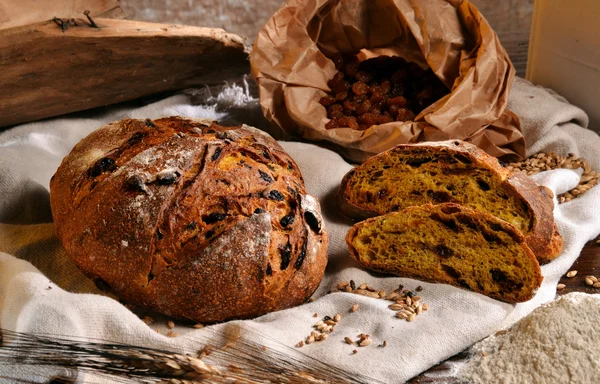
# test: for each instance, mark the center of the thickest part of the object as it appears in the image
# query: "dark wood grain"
(588, 263)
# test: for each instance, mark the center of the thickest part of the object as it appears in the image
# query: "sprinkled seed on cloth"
(547, 161)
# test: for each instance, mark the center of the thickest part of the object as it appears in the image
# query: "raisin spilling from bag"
(378, 91)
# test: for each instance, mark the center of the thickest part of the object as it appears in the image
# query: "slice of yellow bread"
(451, 244)
(456, 172)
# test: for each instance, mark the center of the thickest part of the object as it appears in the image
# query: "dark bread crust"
(543, 237)
(189, 218)
(477, 220)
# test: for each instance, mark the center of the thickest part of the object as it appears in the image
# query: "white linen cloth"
(42, 291)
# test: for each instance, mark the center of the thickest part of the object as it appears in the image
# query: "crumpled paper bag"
(291, 64)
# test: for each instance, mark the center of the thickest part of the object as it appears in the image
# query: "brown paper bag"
(290, 61)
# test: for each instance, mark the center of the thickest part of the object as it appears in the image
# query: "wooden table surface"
(587, 264)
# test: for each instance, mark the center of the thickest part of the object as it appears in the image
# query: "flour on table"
(556, 343)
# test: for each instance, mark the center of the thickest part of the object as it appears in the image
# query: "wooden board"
(511, 19)
(588, 263)
(242, 17)
(14, 13)
(46, 71)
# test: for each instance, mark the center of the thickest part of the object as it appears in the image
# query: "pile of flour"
(556, 343)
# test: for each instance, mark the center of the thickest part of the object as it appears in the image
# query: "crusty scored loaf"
(457, 172)
(189, 218)
(452, 244)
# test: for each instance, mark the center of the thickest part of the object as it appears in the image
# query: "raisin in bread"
(457, 172)
(452, 244)
(192, 219)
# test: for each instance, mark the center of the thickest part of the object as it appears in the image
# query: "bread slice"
(451, 244)
(456, 172)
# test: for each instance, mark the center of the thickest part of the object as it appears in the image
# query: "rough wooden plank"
(14, 13)
(45, 71)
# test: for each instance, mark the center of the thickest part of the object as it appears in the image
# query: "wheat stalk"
(240, 361)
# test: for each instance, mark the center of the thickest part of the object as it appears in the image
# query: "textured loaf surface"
(457, 172)
(451, 244)
(189, 218)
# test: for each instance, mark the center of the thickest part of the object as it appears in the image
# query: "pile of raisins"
(379, 91)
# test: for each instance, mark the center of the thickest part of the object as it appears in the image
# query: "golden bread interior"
(450, 244)
(408, 177)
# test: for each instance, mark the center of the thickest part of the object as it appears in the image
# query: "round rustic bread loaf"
(192, 219)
